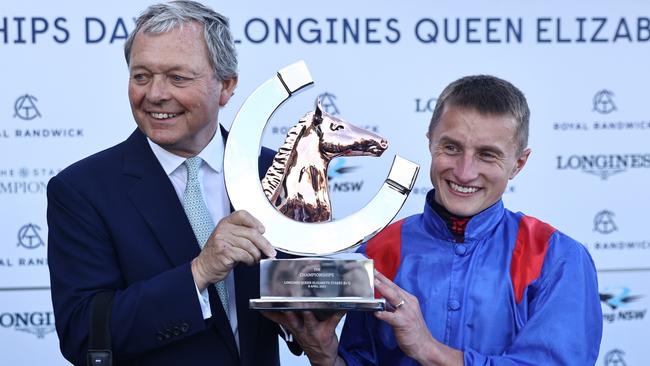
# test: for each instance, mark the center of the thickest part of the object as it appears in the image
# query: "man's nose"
(466, 169)
(158, 90)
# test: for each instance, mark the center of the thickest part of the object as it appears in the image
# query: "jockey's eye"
(335, 127)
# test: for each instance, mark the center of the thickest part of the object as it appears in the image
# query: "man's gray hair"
(487, 95)
(162, 18)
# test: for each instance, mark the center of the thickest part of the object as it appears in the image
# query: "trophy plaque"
(292, 201)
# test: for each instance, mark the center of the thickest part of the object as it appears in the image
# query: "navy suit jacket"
(116, 223)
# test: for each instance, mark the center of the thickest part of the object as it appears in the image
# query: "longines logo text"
(620, 304)
(38, 323)
(423, 105)
(603, 165)
(25, 180)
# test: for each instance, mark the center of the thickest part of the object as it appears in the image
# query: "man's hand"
(411, 332)
(236, 238)
(315, 332)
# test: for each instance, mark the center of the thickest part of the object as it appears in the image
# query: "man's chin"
(462, 209)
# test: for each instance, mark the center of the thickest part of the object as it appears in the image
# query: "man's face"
(473, 157)
(174, 94)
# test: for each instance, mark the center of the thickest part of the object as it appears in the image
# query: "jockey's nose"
(383, 143)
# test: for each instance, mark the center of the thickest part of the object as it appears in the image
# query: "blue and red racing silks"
(514, 292)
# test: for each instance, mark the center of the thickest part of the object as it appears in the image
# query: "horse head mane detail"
(297, 183)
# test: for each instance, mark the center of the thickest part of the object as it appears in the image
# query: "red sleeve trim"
(528, 255)
(385, 249)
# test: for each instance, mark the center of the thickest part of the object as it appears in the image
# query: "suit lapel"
(154, 196)
(156, 200)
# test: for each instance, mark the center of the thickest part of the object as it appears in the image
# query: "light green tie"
(197, 213)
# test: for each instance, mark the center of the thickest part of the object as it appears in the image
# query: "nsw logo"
(618, 297)
(337, 169)
(622, 305)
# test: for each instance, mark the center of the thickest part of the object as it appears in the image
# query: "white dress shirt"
(214, 193)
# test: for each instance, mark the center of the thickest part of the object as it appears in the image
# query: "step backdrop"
(583, 66)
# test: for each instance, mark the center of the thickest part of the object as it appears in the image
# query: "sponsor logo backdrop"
(581, 64)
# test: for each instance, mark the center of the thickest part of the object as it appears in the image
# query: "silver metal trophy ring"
(245, 191)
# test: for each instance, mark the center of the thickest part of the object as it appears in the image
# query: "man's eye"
(451, 149)
(487, 156)
(140, 77)
(179, 79)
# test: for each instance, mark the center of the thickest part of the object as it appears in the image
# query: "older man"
(134, 225)
(468, 281)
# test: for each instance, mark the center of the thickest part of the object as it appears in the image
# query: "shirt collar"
(478, 227)
(212, 154)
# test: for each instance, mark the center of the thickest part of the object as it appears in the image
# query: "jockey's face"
(472, 158)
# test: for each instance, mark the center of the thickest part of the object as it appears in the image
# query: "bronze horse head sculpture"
(296, 183)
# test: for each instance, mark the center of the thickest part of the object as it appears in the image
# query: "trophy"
(293, 203)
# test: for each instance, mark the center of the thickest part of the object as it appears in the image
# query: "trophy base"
(322, 303)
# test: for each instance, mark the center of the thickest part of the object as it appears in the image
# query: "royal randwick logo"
(604, 117)
(603, 102)
(25, 107)
(328, 103)
(604, 222)
(614, 358)
(29, 236)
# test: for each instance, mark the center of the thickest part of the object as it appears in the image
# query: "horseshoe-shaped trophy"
(321, 278)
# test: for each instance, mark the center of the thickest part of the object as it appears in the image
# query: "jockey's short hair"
(487, 95)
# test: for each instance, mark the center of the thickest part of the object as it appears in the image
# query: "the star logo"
(328, 103)
(604, 222)
(615, 358)
(604, 102)
(618, 297)
(29, 237)
(25, 107)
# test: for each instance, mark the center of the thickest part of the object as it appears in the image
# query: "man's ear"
(227, 89)
(520, 163)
